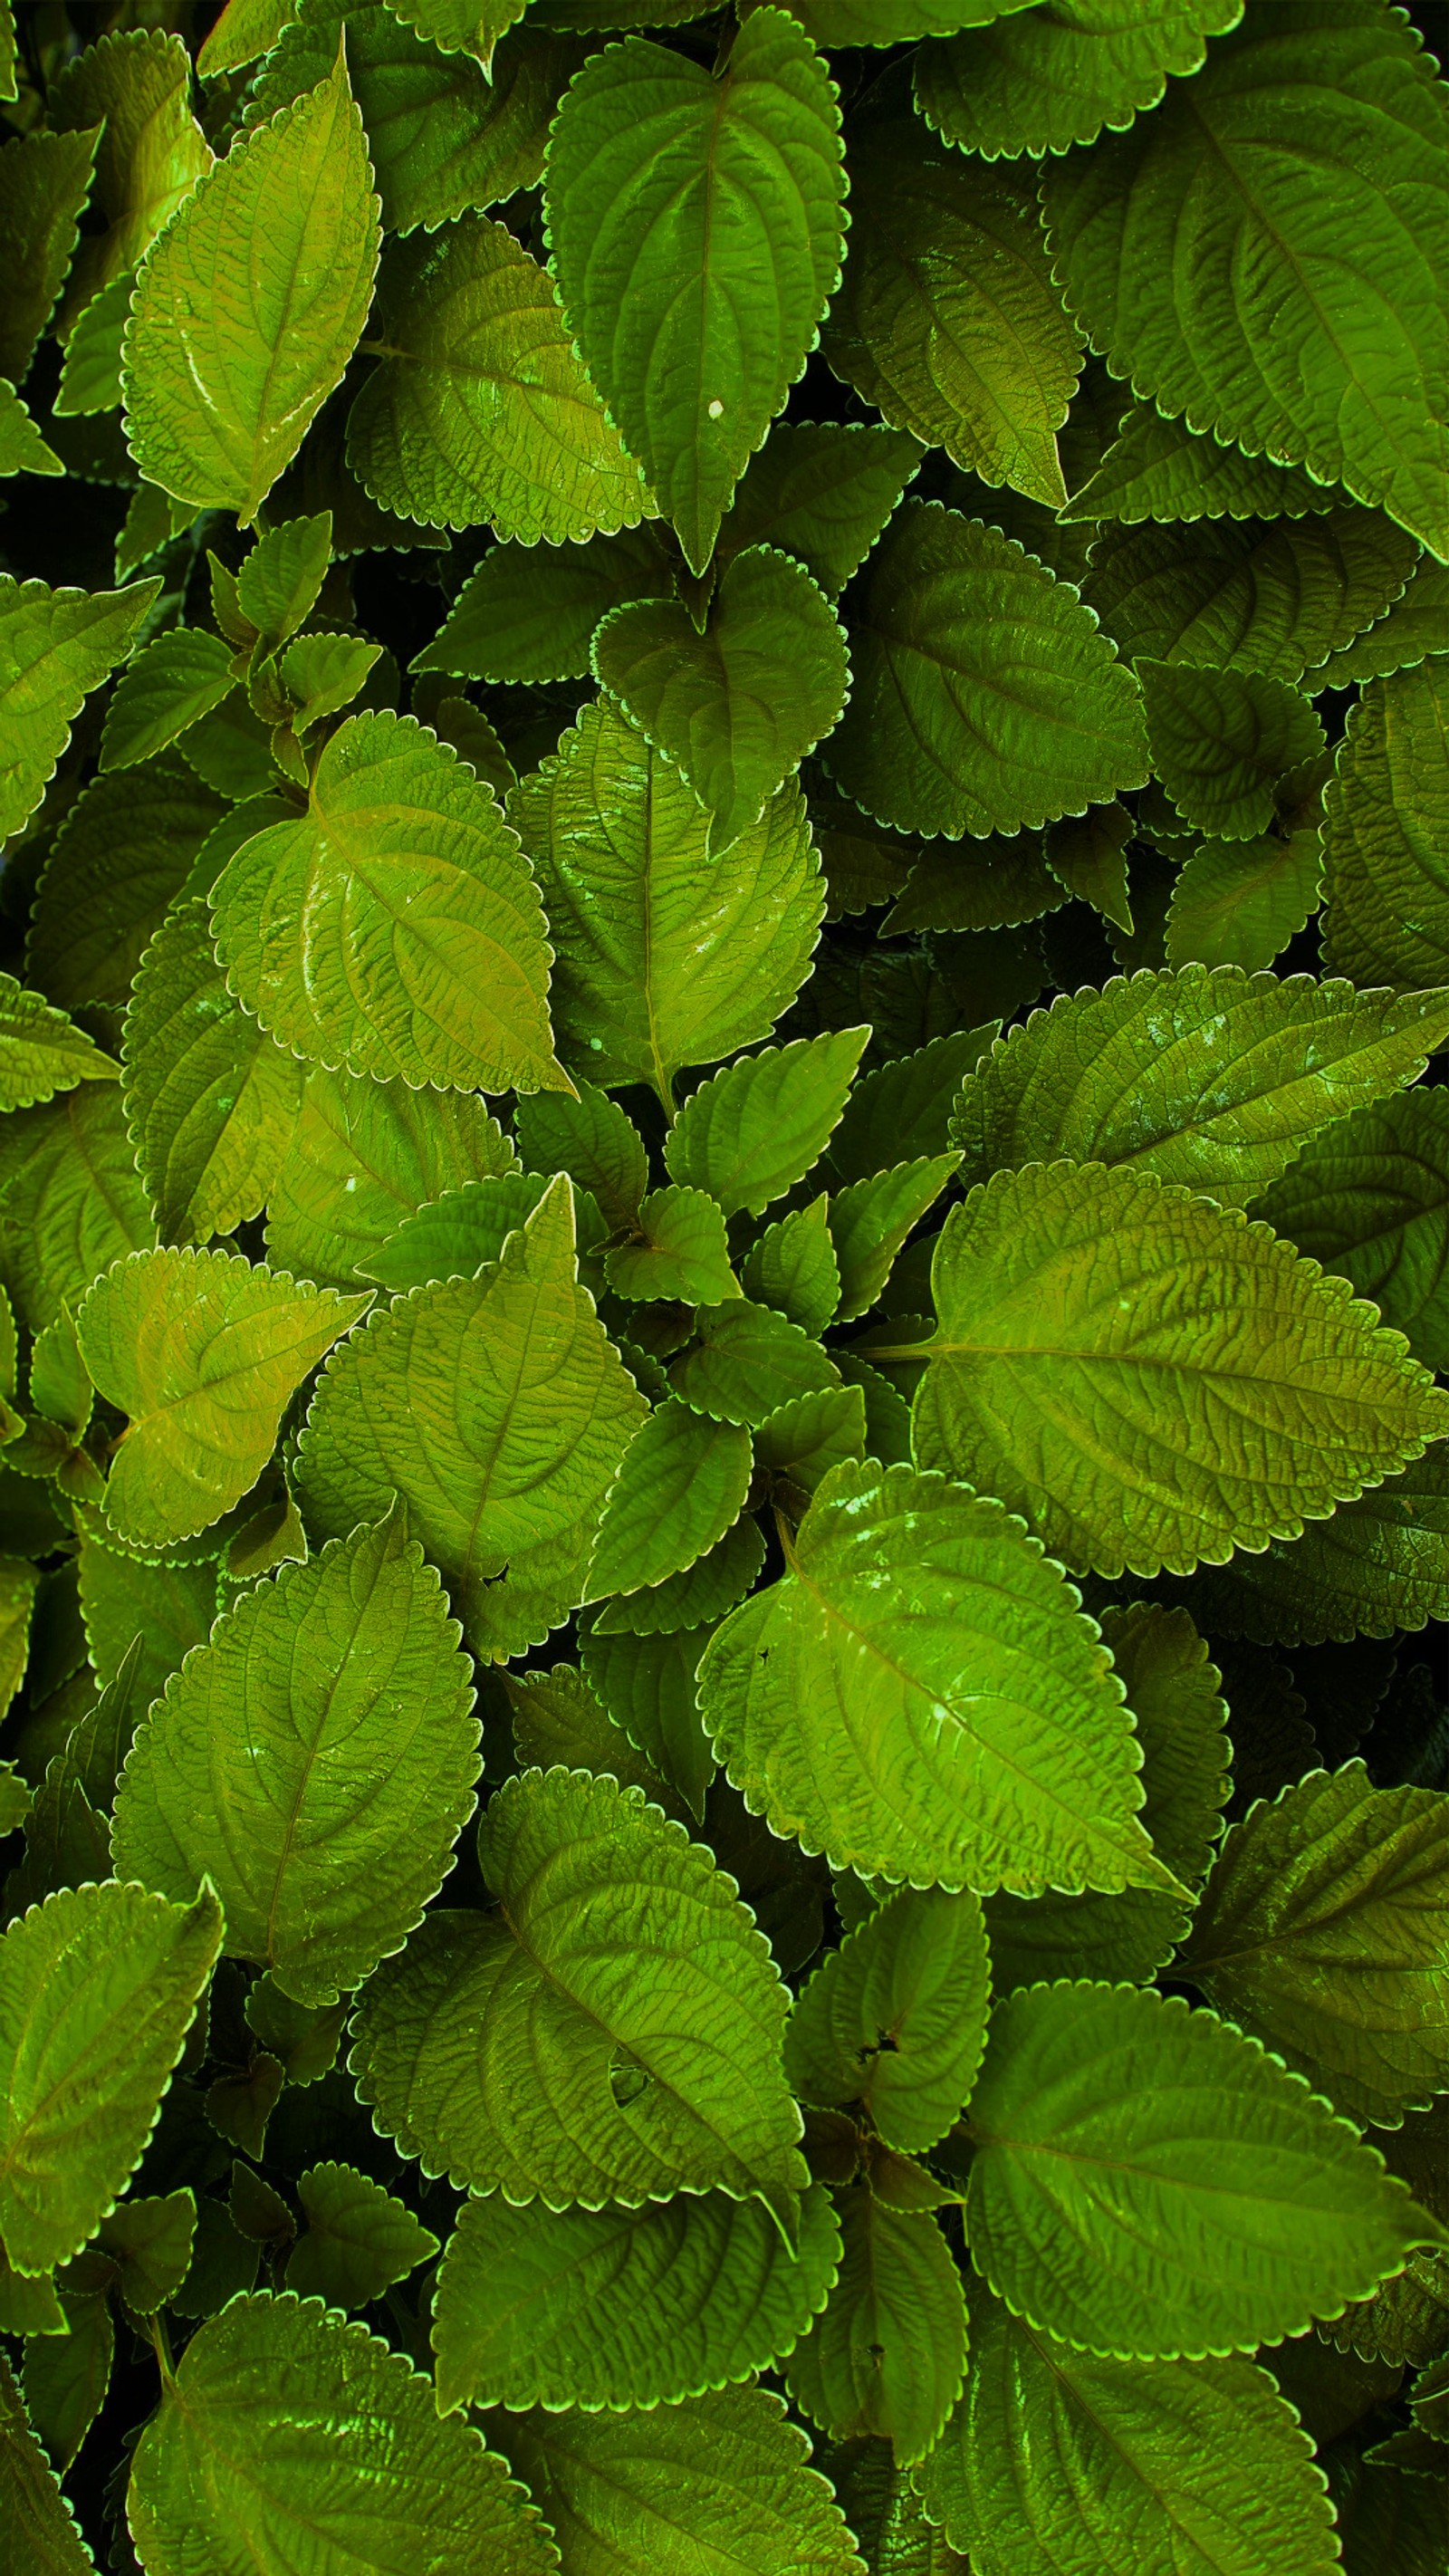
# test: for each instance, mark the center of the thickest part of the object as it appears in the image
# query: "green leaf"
(64, 2378)
(98, 1987)
(90, 379)
(173, 682)
(519, 618)
(1163, 469)
(1221, 741)
(556, 1720)
(1056, 2458)
(661, 961)
(202, 1351)
(287, 2430)
(737, 707)
(1035, 83)
(896, 2018)
(749, 1134)
(1322, 1931)
(164, 1610)
(442, 136)
(887, 2352)
(1248, 595)
(592, 1139)
(996, 886)
(1216, 1079)
(1386, 817)
(41, 1051)
(463, 26)
(284, 230)
(694, 308)
(747, 1362)
(870, 1220)
(1204, 245)
(799, 1444)
(700, 1595)
(359, 2239)
(231, 750)
(1375, 1565)
(34, 2508)
(602, 2083)
(136, 85)
(921, 1696)
(45, 180)
(984, 697)
(1413, 628)
(454, 1236)
(119, 860)
(498, 1409)
(1116, 2135)
(680, 1250)
(623, 2307)
(792, 1267)
(905, 1108)
(683, 2487)
(322, 674)
(71, 1201)
(150, 2243)
(22, 449)
(365, 933)
(647, 1686)
(1370, 1198)
(1238, 903)
(822, 493)
(363, 1157)
(479, 408)
(947, 319)
(278, 584)
(681, 1484)
(315, 1761)
(1149, 1380)
(55, 647)
(211, 1101)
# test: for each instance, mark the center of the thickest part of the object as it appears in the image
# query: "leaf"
(619, 2307)
(870, 1220)
(211, 1102)
(173, 681)
(1221, 741)
(602, 2083)
(315, 1761)
(41, 1051)
(285, 230)
(287, 2429)
(755, 1129)
(947, 319)
(363, 1158)
(98, 1987)
(593, 1139)
(1116, 2134)
(359, 2239)
(681, 1484)
(983, 697)
(1181, 1388)
(1321, 1931)
(71, 1201)
(822, 493)
(1370, 1198)
(202, 1351)
(1056, 2458)
(887, 2352)
(442, 137)
(64, 2378)
(738, 707)
(896, 2018)
(30, 2497)
(1238, 903)
(792, 1267)
(163, 1610)
(454, 1236)
(90, 379)
(905, 1107)
(647, 1686)
(135, 85)
(322, 674)
(479, 409)
(231, 750)
(279, 581)
(1245, 595)
(1377, 1564)
(463, 26)
(22, 449)
(999, 886)
(499, 1411)
(920, 1696)
(693, 307)
(1384, 833)
(684, 2487)
(680, 1250)
(700, 1595)
(1412, 629)
(1039, 84)
(1204, 245)
(521, 618)
(366, 932)
(45, 180)
(747, 1362)
(658, 964)
(55, 647)
(800, 1443)
(1216, 1079)
(1163, 469)
(119, 860)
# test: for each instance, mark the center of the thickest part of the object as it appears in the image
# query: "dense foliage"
(725, 1244)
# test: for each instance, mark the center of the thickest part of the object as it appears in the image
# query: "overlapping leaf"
(888, 2349)
(1370, 1198)
(1019, 81)
(1384, 833)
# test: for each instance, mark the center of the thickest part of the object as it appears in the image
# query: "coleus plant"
(722, 1472)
